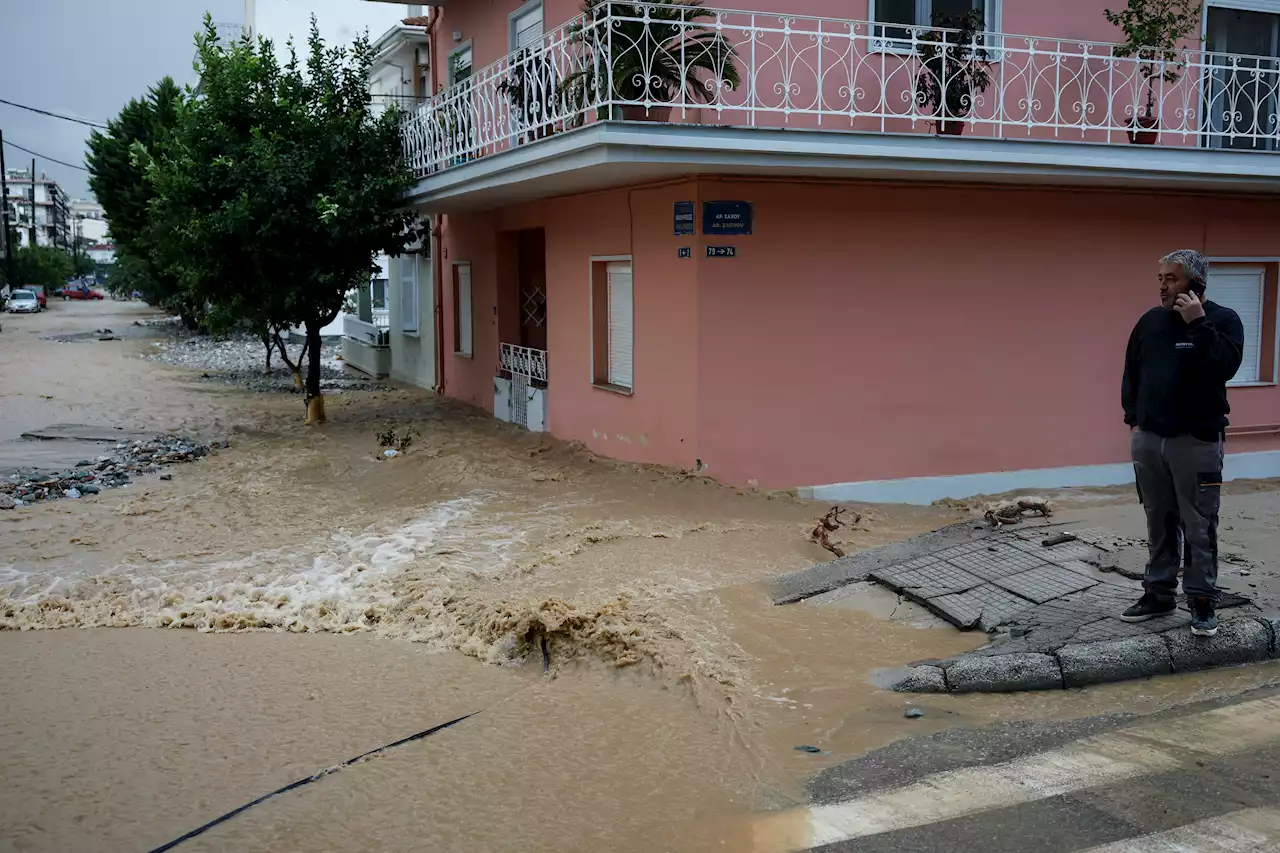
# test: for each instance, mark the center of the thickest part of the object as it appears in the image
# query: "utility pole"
(32, 232)
(4, 218)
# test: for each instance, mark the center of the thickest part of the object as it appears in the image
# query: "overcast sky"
(87, 58)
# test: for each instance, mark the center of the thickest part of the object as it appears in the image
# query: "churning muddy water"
(295, 600)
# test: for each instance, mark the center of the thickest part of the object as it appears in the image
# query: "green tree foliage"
(43, 265)
(117, 163)
(279, 185)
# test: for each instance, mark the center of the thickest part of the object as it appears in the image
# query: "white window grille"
(1241, 288)
(408, 294)
(621, 326)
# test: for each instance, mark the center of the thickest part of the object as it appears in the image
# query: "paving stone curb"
(824, 577)
(1251, 639)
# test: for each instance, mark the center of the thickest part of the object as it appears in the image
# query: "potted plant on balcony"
(655, 50)
(955, 66)
(532, 87)
(1153, 30)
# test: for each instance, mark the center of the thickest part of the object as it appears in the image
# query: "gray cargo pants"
(1180, 487)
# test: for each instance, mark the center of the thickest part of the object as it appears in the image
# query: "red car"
(81, 292)
(38, 290)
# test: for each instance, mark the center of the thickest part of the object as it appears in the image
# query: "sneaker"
(1204, 622)
(1148, 607)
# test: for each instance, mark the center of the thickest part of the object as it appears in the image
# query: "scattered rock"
(166, 477)
(812, 750)
(71, 493)
(913, 714)
(90, 489)
(7, 502)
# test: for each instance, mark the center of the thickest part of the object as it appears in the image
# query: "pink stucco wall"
(893, 332)
(863, 332)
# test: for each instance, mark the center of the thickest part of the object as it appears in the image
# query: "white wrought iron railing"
(756, 69)
(382, 318)
(523, 361)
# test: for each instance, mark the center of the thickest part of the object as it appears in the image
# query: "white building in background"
(394, 331)
(52, 209)
(101, 253)
(88, 222)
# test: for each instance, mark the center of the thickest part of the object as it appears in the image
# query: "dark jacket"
(1176, 373)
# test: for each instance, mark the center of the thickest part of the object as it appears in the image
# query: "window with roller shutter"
(1242, 288)
(621, 326)
(462, 309)
(526, 26)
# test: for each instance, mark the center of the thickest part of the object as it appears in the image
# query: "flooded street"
(610, 627)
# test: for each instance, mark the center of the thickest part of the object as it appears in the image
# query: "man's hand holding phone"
(1189, 307)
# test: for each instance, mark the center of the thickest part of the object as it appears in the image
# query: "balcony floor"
(615, 153)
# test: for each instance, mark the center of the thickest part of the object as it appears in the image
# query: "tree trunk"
(269, 345)
(315, 400)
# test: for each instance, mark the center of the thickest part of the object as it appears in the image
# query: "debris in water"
(390, 453)
(1060, 539)
(913, 714)
(812, 750)
(1001, 513)
(399, 442)
(830, 523)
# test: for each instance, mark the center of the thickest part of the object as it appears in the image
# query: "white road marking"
(1086, 763)
(1247, 831)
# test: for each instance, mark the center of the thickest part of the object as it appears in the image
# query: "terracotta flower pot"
(636, 113)
(1149, 133)
(949, 126)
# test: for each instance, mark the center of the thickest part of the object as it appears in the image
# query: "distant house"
(841, 253)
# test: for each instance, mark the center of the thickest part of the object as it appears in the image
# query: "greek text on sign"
(726, 217)
(722, 252)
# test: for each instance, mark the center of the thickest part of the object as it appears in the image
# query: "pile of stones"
(110, 471)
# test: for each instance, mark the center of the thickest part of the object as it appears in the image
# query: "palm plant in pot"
(654, 51)
(532, 86)
(1153, 31)
(955, 66)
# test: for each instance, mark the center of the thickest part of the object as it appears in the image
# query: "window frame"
(451, 68)
(597, 281)
(993, 14)
(1268, 357)
(456, 288)
(404, 326)
(522, 10)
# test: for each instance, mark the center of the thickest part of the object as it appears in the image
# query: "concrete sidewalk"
(1049, 596)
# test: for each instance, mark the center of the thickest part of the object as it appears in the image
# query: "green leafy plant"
(656, 51)
(955, 66)
(532, 86)
(1153, 31)
(401, 442)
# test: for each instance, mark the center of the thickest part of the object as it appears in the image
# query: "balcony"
(1052, 110)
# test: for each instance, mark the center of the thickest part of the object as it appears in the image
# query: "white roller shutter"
(527, 27)
(408, 293)
(1240, 288)
(621, 317)
(463, 309)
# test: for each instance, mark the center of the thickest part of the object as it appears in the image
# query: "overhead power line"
(45, 156)
(54, 115)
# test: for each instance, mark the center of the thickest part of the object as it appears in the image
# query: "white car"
(23, 302)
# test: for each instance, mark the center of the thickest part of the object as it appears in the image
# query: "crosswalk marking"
(1247, 831)
(1086, 763)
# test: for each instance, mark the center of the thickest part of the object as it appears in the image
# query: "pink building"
(789, 272)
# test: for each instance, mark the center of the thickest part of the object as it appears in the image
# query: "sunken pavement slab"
(1050, 596)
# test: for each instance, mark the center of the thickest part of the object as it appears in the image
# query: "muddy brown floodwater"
(340, 602)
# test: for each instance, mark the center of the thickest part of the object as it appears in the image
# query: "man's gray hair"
(1192, 263)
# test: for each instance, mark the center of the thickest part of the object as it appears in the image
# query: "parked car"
(23, 302)
(80, 291)
(38, 290)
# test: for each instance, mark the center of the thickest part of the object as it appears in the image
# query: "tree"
(117, 163)
(280, 185)
(1154, 30)
(43, 265)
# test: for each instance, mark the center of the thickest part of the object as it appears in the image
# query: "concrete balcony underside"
(614, 154)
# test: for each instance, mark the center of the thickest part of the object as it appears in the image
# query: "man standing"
(1176, 368)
